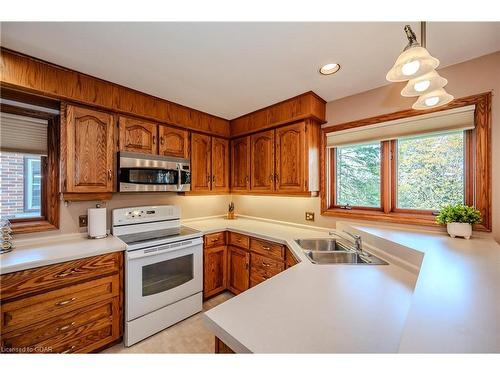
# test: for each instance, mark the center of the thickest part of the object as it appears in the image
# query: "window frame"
(49, 199)
(477, 177)
(28, 161)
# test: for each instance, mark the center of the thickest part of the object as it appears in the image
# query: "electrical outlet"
(83, 221)
(310, 216)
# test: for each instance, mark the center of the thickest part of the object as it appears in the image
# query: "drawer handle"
(266, 247)
(64, 328)
(69, 350)
(64, 274)
(266, 264)
(215, 239)
(62, 303)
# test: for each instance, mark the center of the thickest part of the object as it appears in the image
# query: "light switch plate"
(82, 221)
(310, 216)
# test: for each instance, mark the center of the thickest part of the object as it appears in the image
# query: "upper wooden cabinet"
(173, 142)
(201, 149)
(88, 150)
(307, 106)
(240, 164)
(220, 164)
(262, 161)
(209, 163)
(138, 135)
(291, 158)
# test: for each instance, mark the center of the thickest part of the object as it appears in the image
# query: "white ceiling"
(229, 69)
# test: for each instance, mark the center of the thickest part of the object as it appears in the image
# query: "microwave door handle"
(179, 178)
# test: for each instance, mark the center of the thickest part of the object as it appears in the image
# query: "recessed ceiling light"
(329, 69)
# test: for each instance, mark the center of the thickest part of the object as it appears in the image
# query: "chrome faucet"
(358, 245)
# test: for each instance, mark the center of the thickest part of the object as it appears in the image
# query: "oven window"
(149, 176)
(162, 276)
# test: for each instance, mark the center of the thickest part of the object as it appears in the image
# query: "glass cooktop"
(163, 234)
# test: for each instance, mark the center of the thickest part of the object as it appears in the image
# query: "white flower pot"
(459, 229)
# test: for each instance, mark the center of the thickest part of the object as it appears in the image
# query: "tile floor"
(188, 336)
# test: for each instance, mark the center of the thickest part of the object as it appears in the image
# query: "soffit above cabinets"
(230, 69)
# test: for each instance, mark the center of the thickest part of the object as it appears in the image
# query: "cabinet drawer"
(239, 240)
(84, 339)
(215, 239)
(267, 248)
(30, 336)
(36, 280)
(257, 279)
(290, 259)
(263, 266)
(21, 313)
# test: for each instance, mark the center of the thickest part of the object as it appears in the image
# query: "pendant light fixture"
(417, 66)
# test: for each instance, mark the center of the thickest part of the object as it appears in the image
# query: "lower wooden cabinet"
(249, 260)
(81, 313)
(214, 271)
(238, 269)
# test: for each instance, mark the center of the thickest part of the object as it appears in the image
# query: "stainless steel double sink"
(333, 251)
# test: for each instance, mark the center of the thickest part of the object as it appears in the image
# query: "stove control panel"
(145, 214)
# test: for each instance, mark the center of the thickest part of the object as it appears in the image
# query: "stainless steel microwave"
(142, 172)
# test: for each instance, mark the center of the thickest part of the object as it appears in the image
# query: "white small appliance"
(163, 266)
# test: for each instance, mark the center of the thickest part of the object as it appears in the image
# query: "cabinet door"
(173, 142)
(240, 164)
(138, 136)
(201, 151)
(90, 151)
(215, 270)
(238, 269)
(262, 161)
(220, 164)
(290, 158)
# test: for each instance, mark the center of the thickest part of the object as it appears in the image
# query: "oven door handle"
(138, 254)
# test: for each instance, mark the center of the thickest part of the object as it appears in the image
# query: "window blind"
(438, 122)
(23, 134)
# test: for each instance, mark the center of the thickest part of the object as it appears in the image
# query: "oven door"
(159, 276)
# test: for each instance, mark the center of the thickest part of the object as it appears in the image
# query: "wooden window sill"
(21, 227)
(392, 217)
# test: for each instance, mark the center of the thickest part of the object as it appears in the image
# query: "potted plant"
(459, 219)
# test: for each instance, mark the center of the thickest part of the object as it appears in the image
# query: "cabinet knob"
(154, 139)
(162, 140)
(110, 175)
(208, 178)
(213, 178)
(271, 177)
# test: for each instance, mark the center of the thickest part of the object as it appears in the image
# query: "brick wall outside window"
(11, 183)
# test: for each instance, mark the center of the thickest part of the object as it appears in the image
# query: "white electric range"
(163, 269)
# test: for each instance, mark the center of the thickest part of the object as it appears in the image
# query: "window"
(403, 167)
(430, 171)
(357, 175)
(29, 166)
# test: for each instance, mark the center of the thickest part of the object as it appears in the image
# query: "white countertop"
(438, 295)
(34, 253)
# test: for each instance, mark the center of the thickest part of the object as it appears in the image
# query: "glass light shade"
(412, 63)
(329, 69)
(422, 85)
(433, 99)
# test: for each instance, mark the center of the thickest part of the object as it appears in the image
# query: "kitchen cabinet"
(87, 151)
(262, 161)
(173, 142)
(238, 269)
(290, 158)
(263, 268)
(70, 307)
(214, 264)
(285, 160)
(220, 164)
(209, 164)
(201, 150)
(138, 135)
(290, 259)
(240, 164)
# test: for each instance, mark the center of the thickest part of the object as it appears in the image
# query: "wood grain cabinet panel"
(290, 259)
(238, 269)
(214, 239)
(240, 164)
(267, 248)
(89, 151)
(138, 135)
(201, 159)
(263, 268)
(173, 142)
(71, 307)
(220, 165)
(240, 240)
(262, 161)
(215, 270)
(291, 158)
